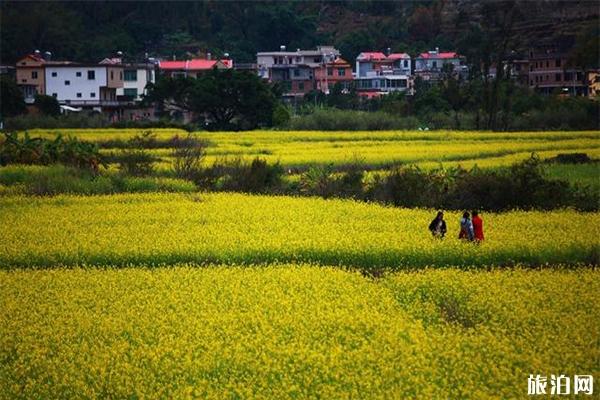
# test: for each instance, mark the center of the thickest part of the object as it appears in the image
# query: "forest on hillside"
(91, 30)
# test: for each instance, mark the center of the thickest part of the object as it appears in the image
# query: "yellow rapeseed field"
(427, 149)
(236, 228)
(292, 332)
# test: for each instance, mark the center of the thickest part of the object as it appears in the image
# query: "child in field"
(466, 227)
(477, 227)
(438, 226)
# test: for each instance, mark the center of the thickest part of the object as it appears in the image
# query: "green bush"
(41, 151)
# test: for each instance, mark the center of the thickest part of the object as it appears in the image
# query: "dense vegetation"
(487, 33)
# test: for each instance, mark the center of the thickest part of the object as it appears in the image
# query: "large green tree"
(11, 98)
(227, 99)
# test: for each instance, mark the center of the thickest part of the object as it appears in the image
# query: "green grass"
(57, 179)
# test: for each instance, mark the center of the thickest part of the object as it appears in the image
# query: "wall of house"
(143, 77)
(78, 84)
(114, 77)
(26, 69)
(424, 64)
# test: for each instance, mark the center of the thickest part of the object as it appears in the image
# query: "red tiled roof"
(171, 64)
(397, 56)
(372, 55)
(192, 65)
(199, 64)
(449, 54)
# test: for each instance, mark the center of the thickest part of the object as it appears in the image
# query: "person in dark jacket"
(466, 227)
(438, 226)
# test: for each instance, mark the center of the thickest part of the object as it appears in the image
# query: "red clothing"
(477, 227)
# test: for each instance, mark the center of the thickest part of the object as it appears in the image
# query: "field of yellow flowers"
(243, 229)
(292, 331)
(426, 149)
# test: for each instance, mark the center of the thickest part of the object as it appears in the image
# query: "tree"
(47, 105)
(228, 99)
(11, 98)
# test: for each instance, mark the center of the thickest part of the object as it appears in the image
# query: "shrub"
(188, 156)
(236, 175)
(70, 151)
(48, 105)
(136, 162)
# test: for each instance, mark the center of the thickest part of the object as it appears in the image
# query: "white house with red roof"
(374, 63)
(378, 73)
(429, 65)
(191, 68)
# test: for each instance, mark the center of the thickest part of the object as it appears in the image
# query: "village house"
(550, 73)
(296, 71)
(338, 71)
(378, 73)
(191, 68)
(30, 76)
(429, 66)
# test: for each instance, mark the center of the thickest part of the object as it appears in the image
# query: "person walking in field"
(477, 227)
(466, 227)
(438, 226)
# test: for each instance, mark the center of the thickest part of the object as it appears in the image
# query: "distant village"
(116, 87)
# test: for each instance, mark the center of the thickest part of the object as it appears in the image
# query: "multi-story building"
(30, 76)
(295, 71)
(375, 63)
(136, 76)
(192, 68)
(378, 73)
(550, 73)
(84, 84)
(331, 73)
(430, 66)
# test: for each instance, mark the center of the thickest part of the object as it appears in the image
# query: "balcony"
(97, 103)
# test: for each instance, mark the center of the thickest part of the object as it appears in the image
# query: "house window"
(329, 71)
(296, 72)
(341, 72)
(91, 75)
(121, 75)
(568, 76)
(531, 82)
(557, 77)
(130, 75)
(78, 74)
(405, 63)
(434, 64)
(24, 80)
(131, 92)
(92, 94)
(547, 63)
(78, 94)
(34, 75)
(301, 86)
(54, 95)
(558, 62)
(67, 83)
(298, 60)
(54, 74)
(112, 75)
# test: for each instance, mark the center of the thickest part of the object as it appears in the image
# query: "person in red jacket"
(477, 227)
